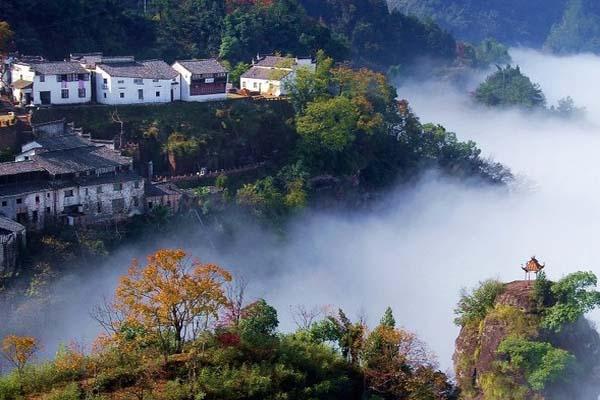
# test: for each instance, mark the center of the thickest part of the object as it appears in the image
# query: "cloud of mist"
(423, 243)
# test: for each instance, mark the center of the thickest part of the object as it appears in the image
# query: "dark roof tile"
(151, 69)
(209, 66)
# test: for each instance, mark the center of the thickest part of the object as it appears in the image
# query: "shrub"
(540, 362)
(474, 305)
(177, 390)
(69, 392)
(10, 387)
(573, 298)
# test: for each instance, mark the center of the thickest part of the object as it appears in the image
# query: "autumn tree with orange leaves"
(173, 297)
(18, 350)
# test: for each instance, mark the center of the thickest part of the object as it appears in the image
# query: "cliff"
(509, 354)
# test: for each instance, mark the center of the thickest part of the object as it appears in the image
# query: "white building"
(123, 80)
(50, 82)
(62, 177)
(202, 80)
(269, 75)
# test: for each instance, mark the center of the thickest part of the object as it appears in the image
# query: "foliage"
(540, 362)
(579, 29)
(573, 295)
(514, 22)
(70, 392)
(18, 350)
(388, 318)
(542, 291)
(6, 37)
(566, 108)
(509, 87)
(258, 323)
(171, 295)
(236, 73)
(475, 304)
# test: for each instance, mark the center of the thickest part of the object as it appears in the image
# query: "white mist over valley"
(425, 241)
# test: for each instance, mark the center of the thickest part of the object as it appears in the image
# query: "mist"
(426, 241)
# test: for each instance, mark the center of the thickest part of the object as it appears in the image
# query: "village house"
(61, 177)
(269, 75)
(202, 80)
(123, 80)
(166, 195)
(12, 242)
(49, 82)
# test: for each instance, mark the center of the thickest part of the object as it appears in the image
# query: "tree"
(475, 304)
(258, 323)
(573, 297)
(172, 295)
(329, 124)
(18, 350)
(509, 87)
(388, 318)
(6, 37)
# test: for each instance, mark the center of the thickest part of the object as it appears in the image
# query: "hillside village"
(59, 175)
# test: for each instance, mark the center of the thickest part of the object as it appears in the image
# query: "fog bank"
(425, 242)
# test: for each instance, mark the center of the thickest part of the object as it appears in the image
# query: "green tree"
(509, 87)
(574, 295)
(475, 304)
(388, 318)
(258, 323)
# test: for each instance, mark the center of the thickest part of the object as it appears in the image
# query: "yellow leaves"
(18, 350)
(172, 294)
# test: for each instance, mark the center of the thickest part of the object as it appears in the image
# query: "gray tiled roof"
(22, 167)
(64, 142)
(80, 160)
(10, 225)
(58, 68)
(152, 69)
(265, 73)
(162, 189)
(276, 61)
(209, 66)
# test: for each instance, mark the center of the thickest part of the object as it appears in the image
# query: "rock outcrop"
(516, 312)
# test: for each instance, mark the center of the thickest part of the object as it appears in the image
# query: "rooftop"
(265, 73)
(208, 66)
(80, 160)
(10, 225)
(57, 67)
(151, 69)
(64, 142)
(276, 62)
(162, 189)
(21, 84)
(22, 167)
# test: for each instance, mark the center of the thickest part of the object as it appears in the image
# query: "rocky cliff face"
(482, 371)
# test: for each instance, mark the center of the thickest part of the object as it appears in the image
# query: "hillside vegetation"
(179, 329)
(528, 340)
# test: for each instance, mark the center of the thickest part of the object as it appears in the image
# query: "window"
(157, 94)
(104, 95)
(64, 93)
(121, 81)
(138, 81)
(86, 191)
(48, 195)
(42, 78)
(254, 85)
(118, 205)
(117, 187)
(243, 84)
(19, 201)
(83, 77)
(34, 216)
(154, 80)
(99, 189)
(37, 199)
(136, 185)
(105, 81)
(135, 201)
(81, 92)
(99, 207)
(4, 204)
(122, 95)
(48, 210)
(140, 94)
(150, 205)
(69, 193)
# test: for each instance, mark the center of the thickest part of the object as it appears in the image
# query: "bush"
(177, 390)
(9, 387)
(474, 305)
(574, 297)
(69, 392)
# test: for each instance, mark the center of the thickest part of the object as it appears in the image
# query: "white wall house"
(269, 75)
(126, 81)
(202, 80)
(49, 82)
